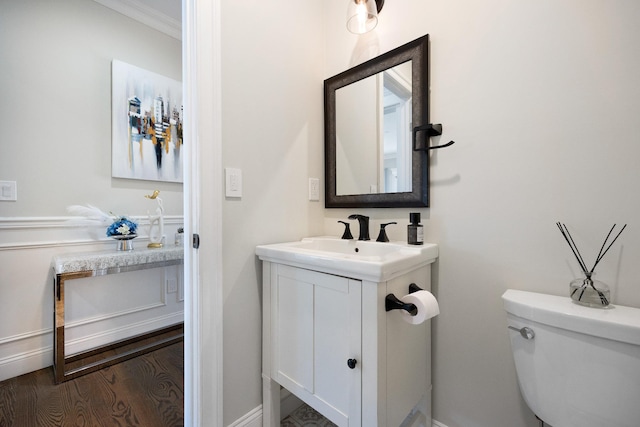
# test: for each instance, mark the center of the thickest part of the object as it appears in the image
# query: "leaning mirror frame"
(417, 52)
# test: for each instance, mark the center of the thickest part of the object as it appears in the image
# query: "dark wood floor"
(147, 391)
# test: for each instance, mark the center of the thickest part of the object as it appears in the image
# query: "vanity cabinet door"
(315, 331)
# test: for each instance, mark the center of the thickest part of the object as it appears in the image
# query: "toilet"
(577, 366)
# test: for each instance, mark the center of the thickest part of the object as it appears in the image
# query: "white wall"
(56, 105)
(272, 64)
(56, 143)
(542, 99)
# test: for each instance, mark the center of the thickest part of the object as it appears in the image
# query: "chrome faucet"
(364, 226)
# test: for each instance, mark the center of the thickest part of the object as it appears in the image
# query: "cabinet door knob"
(351, 363)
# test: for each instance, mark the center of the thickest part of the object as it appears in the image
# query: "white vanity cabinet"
(328, 340)
(314, 329)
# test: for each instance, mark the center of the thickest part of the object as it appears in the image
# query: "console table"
(91, 264)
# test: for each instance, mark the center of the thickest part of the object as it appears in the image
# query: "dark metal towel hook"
(430, 130)
(441, 146)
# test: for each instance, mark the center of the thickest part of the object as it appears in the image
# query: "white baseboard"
(437, 424)
(288, 404)
(20, 363)
(250, 419)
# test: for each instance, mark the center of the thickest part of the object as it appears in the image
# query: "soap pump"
(415, 231)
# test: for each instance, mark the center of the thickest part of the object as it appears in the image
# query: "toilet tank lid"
(616, 322)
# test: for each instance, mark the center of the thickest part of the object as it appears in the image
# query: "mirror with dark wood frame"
(371, 111)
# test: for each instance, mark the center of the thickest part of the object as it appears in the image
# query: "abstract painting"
(146, 139)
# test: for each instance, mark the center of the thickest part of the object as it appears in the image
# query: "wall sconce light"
(362, 15)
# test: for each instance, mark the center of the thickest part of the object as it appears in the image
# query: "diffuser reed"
(587, 291)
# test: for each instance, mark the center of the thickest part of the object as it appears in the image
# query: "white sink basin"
(365, 260)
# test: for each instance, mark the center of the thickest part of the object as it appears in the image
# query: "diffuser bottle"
(590, 292)
(415, 231)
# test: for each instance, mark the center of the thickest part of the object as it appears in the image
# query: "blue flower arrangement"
(122, 226)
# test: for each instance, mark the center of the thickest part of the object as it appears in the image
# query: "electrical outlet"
(8, 191)
(172, 285)
(314, 189)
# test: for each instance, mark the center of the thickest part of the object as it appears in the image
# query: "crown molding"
(141, 12)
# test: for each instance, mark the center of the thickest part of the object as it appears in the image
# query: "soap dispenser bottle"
(415, 231)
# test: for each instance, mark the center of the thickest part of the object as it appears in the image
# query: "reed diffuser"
(586, 291)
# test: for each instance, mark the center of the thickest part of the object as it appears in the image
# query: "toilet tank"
(582, 367)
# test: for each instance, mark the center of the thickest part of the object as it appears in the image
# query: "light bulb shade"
(362, 16)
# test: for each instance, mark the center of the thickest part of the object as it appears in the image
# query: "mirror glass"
(373, 133)
(370, 112)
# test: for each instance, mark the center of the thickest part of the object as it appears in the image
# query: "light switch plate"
(314, 189)
(233, 182)
(8, 191)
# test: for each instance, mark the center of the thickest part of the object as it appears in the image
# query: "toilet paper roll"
(427, 307)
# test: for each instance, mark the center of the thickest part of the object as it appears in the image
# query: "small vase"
(125, 243)
(589, 292)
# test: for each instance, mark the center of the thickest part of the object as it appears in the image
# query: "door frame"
(201, 76)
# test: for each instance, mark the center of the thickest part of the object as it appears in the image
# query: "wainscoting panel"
(99, 310)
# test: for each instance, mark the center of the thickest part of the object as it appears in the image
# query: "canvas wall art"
(146, 125)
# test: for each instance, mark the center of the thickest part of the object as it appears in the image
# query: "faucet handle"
(347, 231)
(358, 217)
(382, 237)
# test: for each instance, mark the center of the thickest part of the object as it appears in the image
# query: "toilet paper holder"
(391, 302)
(414, 288)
